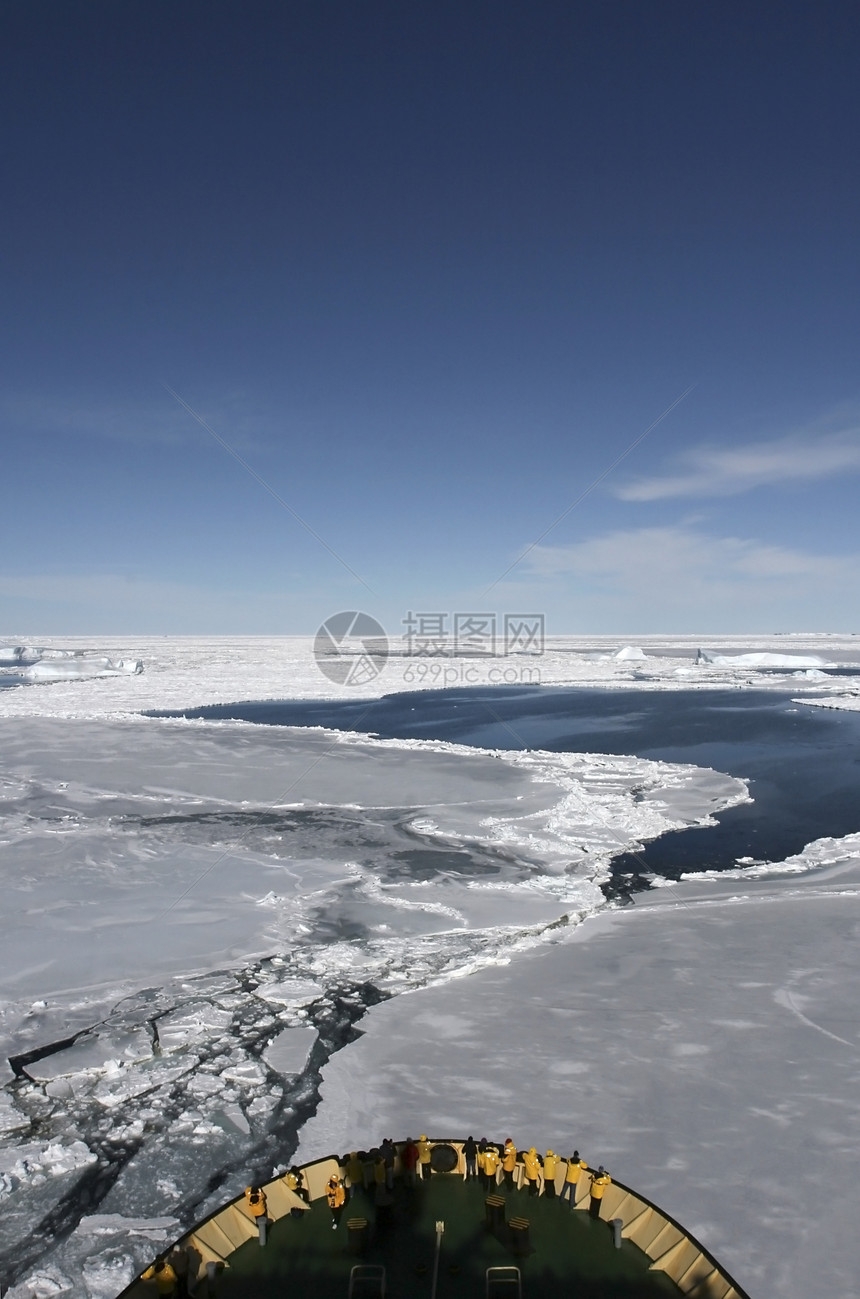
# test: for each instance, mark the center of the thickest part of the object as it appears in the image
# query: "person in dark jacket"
(470, 1154)
(388, 1150)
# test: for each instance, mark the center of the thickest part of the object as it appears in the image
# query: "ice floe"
(288, 1053)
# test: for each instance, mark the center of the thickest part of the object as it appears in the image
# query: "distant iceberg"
(72, 669)
(792, 661)
(630, 652)
(21, 655)
(16, 656)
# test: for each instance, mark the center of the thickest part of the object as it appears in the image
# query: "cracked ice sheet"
(86, 850)
(703, 1044)
(87, 906)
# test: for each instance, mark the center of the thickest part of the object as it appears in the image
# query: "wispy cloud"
(126, 421)
(154, 421)
(664, 556)
(681, 578)
(729, 471)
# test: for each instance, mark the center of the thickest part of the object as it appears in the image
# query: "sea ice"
(703, 1046)
(288, 1053)
(289, 992)
(92, 1051)
(136, 852)
(794, 662)
(199, 1020)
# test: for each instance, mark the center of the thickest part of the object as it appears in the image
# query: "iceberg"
(630, 652)
(763, 660)
(72, 669)
(16, 656)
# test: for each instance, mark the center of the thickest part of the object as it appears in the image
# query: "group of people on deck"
(492, 1164)
(486, 1161)
(489, 1162)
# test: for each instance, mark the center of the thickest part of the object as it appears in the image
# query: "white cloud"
(678, 577)
(728, 471)
(674, 551)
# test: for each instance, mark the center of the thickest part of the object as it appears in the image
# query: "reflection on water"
(803, 764)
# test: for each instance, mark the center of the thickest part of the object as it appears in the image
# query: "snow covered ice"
(40, 663)
(762, 659)
(196, 914)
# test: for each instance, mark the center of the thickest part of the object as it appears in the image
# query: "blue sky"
(429, 270)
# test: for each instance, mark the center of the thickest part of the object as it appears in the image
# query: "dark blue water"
(802, 764)
(7, 681)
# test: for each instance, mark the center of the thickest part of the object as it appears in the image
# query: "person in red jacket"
(409, 1160)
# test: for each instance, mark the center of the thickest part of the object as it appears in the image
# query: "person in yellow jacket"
(573, 1172)
(488, 1164)
(336, 1196)
(599, 1182)
(255, 1200)
(163, 1275)
(295, 1180)
(481, 1166)
(354, 1173)
(550, 1168)
(531, 1163)
(424, 1149)
(509, 1162)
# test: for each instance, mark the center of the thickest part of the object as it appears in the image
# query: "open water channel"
(802, 763)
